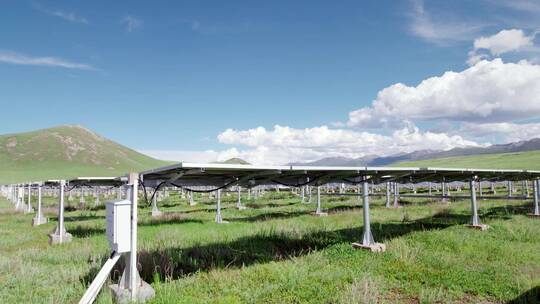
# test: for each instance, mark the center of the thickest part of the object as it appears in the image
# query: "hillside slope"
(64, 152)
(520, 160)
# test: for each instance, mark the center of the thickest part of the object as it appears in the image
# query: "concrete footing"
(241, 207)
(36, 221)
(156, 213)
(319, 213)
(220, 220)
(533, 215)
(54, 238)
(481, 227)
(122, 295)
(375, 247)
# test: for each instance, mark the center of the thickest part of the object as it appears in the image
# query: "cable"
(204, 191)
(153, 194)
(297, 185)
(356, 182)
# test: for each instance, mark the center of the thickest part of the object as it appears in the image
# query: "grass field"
(276, 252)
(521, 160)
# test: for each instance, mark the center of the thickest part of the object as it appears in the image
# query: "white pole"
(318, 200)
(39, 219)
(94, 288)
(396, 194)
(61, 212)
(29, 207)
(387, 194)
(536, 186)
(475, 219)
(133, 284)
(368, 237)
(239, 202)
(218, 209)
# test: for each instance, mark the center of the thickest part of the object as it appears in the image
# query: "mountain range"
(373, 160)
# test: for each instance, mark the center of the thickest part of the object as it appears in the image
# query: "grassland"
(521, 160)
(66, 152)
(276, 252)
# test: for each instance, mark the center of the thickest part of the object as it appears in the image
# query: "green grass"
(66, 152)
(521, 160)
(276, 252)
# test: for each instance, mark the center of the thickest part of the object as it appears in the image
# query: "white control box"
(119, 225)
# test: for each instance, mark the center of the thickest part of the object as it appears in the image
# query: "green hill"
(521, 160)
(64, 152)
(234, 161)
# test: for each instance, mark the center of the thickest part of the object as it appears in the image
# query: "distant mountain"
(66, 152)
(339, 161)
(521, 146)
(234, 161)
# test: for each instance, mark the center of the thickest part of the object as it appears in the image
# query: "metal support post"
(367, 240)
(239, 201)
(29, 208)
(155, 210)
(396, 194)
(475, 220)
(387, 194)
(219, 219)
(39, 219)
(536, 194)
(60, 235)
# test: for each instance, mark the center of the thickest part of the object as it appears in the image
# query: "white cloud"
(505, 131)
(490, 91)
(282, 145)
(440, 29)
(504, 41)
(68, 16)
(475, 58)
(131, 23)
(17, 58)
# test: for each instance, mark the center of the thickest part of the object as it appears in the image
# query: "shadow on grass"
(418, 202)
(530, 296)
(268, 216)
(343, 208)
(80, 218)
(254, 205)
(167, 219)
(177, 262)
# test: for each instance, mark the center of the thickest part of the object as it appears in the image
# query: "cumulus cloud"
(489, 91)
(284, 144)
(504, 41)
(20, 59)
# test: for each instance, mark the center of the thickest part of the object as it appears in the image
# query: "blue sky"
(174, 76)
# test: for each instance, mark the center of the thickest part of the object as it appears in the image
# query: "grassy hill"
(234, 161)
(64, 152)
(520, 160)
